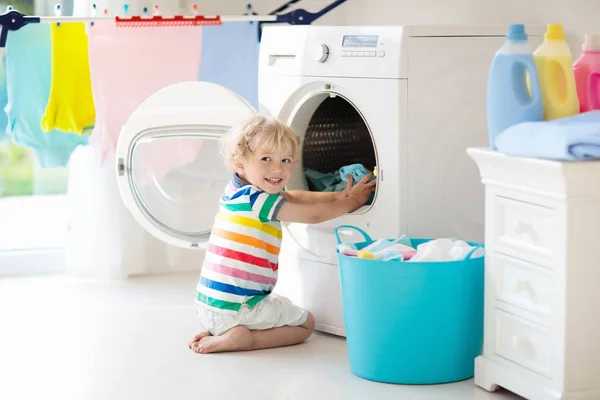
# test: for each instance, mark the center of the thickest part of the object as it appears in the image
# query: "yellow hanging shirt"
(70, 105)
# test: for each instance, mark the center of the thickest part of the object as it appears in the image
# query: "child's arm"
(316, 213)
(355, 197)
(308, 197)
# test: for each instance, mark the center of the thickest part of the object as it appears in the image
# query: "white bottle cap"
(591, 43)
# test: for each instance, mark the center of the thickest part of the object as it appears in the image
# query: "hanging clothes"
(127, 66)
(3, 100)
(28, 87)
(230, 58)
(71, 105)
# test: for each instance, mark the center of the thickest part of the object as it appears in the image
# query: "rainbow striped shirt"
(242, 257)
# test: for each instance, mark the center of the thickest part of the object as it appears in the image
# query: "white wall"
(577, 16)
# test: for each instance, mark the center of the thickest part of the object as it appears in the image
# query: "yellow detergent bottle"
(555, 69)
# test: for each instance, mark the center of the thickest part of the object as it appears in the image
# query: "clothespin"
(106, 12)
(93, 13)
(125, 9)
(250, 11)
(194, 9)
(156, 10)
(9, 8)
(57, 12)
(145, 11)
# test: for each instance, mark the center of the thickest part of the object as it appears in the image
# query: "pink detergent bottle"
(587, 74)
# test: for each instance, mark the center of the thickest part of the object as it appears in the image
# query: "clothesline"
(13, 20)
(198, 19)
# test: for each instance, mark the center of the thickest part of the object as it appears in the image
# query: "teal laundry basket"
(412, 322)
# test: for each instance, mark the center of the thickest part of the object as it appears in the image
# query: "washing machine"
(406, 101)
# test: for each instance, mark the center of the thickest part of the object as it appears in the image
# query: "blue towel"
(358, 171)
(330, 182)
(568, 139)
(28, 70)
(338, 180)
(230, 58)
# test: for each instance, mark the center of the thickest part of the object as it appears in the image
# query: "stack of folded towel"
(567, 139)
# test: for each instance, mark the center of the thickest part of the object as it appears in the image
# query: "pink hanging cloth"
(127, 65)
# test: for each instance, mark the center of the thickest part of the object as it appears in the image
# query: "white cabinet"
(542, 277)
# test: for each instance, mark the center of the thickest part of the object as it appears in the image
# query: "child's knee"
(310, 322)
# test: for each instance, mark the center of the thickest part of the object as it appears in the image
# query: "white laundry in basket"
(445, 250)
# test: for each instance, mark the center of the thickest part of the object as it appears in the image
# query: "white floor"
(67, 339)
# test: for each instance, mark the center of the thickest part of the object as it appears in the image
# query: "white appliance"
(409, 100)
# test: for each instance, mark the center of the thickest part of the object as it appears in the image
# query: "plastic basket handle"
(468, 256)
(337, 236)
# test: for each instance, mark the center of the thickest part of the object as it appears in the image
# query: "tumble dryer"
(406, 100)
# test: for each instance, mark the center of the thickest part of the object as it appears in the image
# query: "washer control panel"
(363, 53)
(357, 52)
(360, 46)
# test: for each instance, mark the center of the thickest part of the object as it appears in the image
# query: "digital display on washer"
(359, 40)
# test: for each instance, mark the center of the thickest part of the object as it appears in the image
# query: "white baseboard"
(32, 262)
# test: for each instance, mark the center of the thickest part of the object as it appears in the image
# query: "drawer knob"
(525, 230)
(525, 286)
(520, 343)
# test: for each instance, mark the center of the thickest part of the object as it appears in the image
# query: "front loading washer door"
(170, 172)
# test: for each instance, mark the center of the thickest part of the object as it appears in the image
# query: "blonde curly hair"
(242, 143)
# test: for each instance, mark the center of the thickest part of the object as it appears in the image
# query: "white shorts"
(271, 312)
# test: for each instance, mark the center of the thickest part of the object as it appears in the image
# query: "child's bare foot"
(238, 338)
(241, 338)
(197, 338)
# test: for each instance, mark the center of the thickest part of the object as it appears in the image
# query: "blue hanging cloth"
(230, 58)
(3, 100)
(28, 72)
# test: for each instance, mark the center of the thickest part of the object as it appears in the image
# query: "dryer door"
(169, 169)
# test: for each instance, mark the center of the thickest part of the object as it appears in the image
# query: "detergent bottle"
(509, 100)
(587, 74)
(555, 68)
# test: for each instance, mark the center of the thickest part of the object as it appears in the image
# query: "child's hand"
(348, 200)
(361, 192)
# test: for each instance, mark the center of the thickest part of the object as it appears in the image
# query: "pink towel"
(127, 65)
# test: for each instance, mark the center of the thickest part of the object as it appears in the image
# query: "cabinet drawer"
(529, 228)
(523, 284)
(523, 343)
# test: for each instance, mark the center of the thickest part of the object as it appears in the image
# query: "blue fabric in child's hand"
(571, 138)
(323, 182)
(358, 171)
(338, 180)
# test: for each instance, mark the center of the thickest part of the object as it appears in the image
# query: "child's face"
(269, 170)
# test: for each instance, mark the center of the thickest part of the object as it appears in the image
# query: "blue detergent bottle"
(513, 96)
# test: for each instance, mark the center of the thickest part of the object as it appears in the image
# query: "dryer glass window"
(177, 179)
(336, 140)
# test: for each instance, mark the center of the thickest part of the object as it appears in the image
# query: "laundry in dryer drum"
(338, 180)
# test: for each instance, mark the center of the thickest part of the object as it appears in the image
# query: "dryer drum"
(336, 136)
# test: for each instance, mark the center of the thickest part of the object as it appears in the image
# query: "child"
(234, 298)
